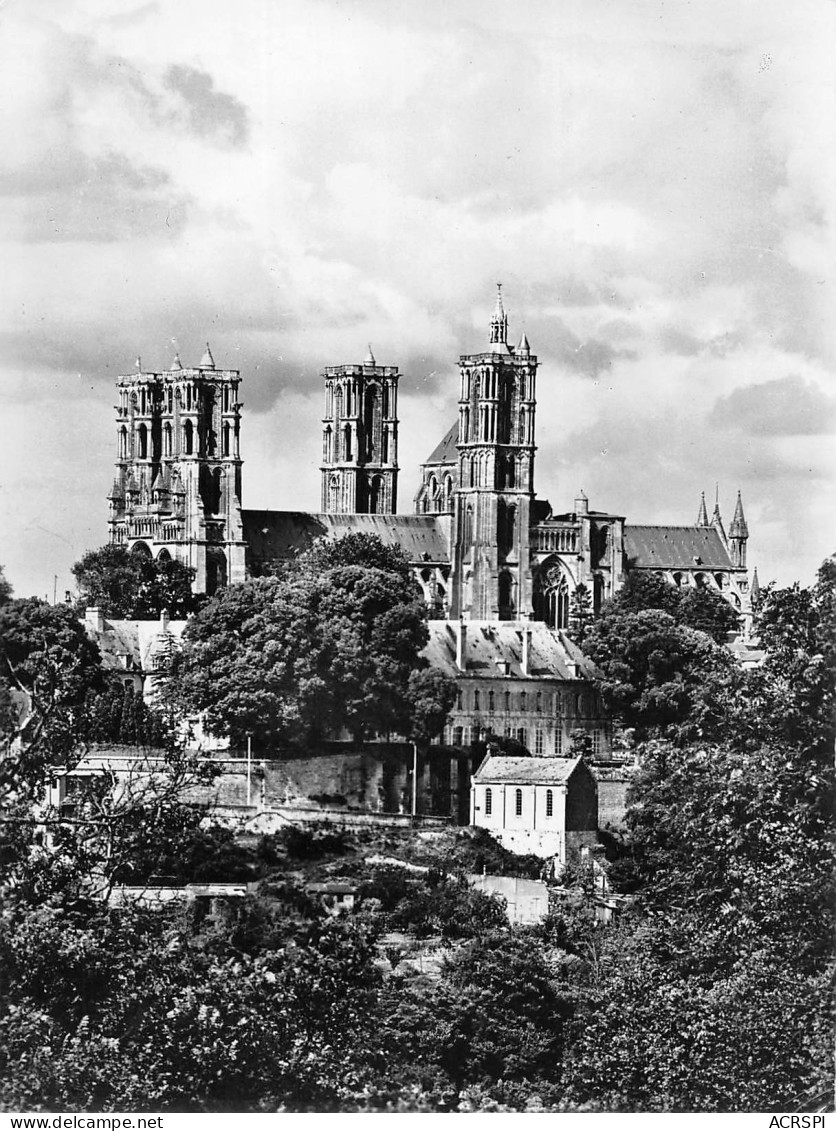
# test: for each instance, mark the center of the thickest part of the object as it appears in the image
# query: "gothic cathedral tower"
(360, 439)
(177, 492)
(491, 571)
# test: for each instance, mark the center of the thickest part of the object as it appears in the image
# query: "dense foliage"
(712, 994)
(330, 644)
(130, 585)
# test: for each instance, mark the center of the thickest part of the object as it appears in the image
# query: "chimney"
(94, 618)
(526, 649)
(461, 645)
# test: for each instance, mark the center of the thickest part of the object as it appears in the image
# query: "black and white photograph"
(418, 560)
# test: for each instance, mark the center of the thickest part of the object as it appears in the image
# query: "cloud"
(210, 113)
(787, 406)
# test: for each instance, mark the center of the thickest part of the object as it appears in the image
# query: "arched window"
(491, 699)
(347, 442)
(375, 491)
(142, 441)
(467, 538)
(518, 802)
(597, 593)
(448, 492)
(506, 596)
(476, 700)
(167, 439)
(432, 491)
(334, 494)
(538, 703)
(549, 803)
(507, 700)
(523, 701)
(226, 435)
(488, 802)
(123, 443)
(551, 597)
(188, 438)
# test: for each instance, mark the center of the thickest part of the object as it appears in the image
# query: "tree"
(702, 609)
(126, 584)
(652, 669)
(47, 667)
(580, 613)
(355, 550)
(293, 658)
(5, 588)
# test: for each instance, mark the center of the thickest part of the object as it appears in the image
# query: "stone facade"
(177, 491)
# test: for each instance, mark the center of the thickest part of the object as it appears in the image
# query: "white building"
(544, 806)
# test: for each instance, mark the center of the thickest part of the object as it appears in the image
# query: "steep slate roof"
(278, 535)
(445, 451)
(527, 771)
(131, 645)
(675, 547)
(489, 645)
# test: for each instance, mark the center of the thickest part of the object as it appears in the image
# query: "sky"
(652, 182)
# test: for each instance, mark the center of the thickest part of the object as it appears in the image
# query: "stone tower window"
(188, 438)
(226, 437)
(123, 443)
(142, 439)
(167, 439)
(347, 442)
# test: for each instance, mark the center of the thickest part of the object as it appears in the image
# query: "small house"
(544, 806)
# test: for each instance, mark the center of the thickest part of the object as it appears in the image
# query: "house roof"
(445, 450)
(675, 547)
(133, 645)
(279, 535)
(491, 645)
(501, 768)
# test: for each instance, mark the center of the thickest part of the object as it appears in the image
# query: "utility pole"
(249, 769)
(414, 779)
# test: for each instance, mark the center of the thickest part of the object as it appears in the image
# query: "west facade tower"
(360, 439)
(177, 491)
(490, 559)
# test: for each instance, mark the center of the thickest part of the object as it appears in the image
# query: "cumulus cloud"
(787, 406)
(210, 112)
(652, 183)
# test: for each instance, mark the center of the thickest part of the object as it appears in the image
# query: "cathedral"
(483, 546)
(497, 567)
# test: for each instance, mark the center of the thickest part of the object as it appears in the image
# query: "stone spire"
(499, 324)
(702, 517)
(738, 535)
(755, 592)
(207, 361)
(716, 520)
(738, 528)
(176, 364)
(369, 357)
